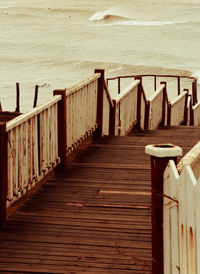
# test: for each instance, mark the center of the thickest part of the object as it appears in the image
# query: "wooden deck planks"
(96, 218)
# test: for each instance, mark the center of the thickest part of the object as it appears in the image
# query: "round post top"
(163, 150)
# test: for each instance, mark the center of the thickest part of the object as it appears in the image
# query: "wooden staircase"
(97, 217)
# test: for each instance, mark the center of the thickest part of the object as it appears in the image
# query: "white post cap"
(163, 150)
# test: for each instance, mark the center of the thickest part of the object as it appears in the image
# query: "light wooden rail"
(81, 111)
(156, 108)
(32, 148)
(125, 109)
(181, 220)
(178, 109)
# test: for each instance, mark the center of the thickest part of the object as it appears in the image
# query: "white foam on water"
(144, 23)
(112, 12)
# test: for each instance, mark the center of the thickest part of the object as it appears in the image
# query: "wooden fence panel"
(170, 220)
(181, 221)
(81, 113)
(178, 108)
(31, 141)
(156, 108)
(126, 109)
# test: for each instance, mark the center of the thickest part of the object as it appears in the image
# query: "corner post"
(194, 92)
(112, 120)
(164, 100)
(186, 107)
(139, 94)
(100, 91)
(17, 98)
(191, 114)
(3, 173)
(62, 130)
(160, 156)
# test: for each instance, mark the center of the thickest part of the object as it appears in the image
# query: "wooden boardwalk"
(94, 219)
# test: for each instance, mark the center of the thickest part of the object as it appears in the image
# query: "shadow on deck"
(97, 217)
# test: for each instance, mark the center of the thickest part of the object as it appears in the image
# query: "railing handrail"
(26, 116)
(190, 158)
(196, 106)
(153, 75)
(177, 99)
(126, 91)
(80, 85)
(157, 93)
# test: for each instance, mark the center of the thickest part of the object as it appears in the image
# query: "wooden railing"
(156, 81)
(195, 114)
(107, 108)
(156, 106)
(178, 110)
(181, 215)
(32, 148)
(124, 112)
(81, 111)
(34, 143)
(150, 113)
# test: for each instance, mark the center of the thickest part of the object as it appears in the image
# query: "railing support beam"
(3, 173)
(160, 156)
(101, 83)
(62, 130)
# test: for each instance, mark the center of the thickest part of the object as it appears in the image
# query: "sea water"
(55, 44)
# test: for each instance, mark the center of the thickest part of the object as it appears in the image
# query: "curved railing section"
(157, 78)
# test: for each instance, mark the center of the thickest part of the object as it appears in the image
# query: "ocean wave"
(113, 12)
(143, 23)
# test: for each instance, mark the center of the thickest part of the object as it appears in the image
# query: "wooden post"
(155, 87)
(169, 114)
(119, 87)
(191, 114)
(164, 100)
(146, 118)
(194, 92)
(36, 96)
(139, 94)
(186, 108)
(112, 119)
(62, 130)
(160, 156)
(3, 173)
(17, 98)
(101, 83)
(179, 85)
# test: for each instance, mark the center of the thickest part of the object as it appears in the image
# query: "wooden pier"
(94, 214)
